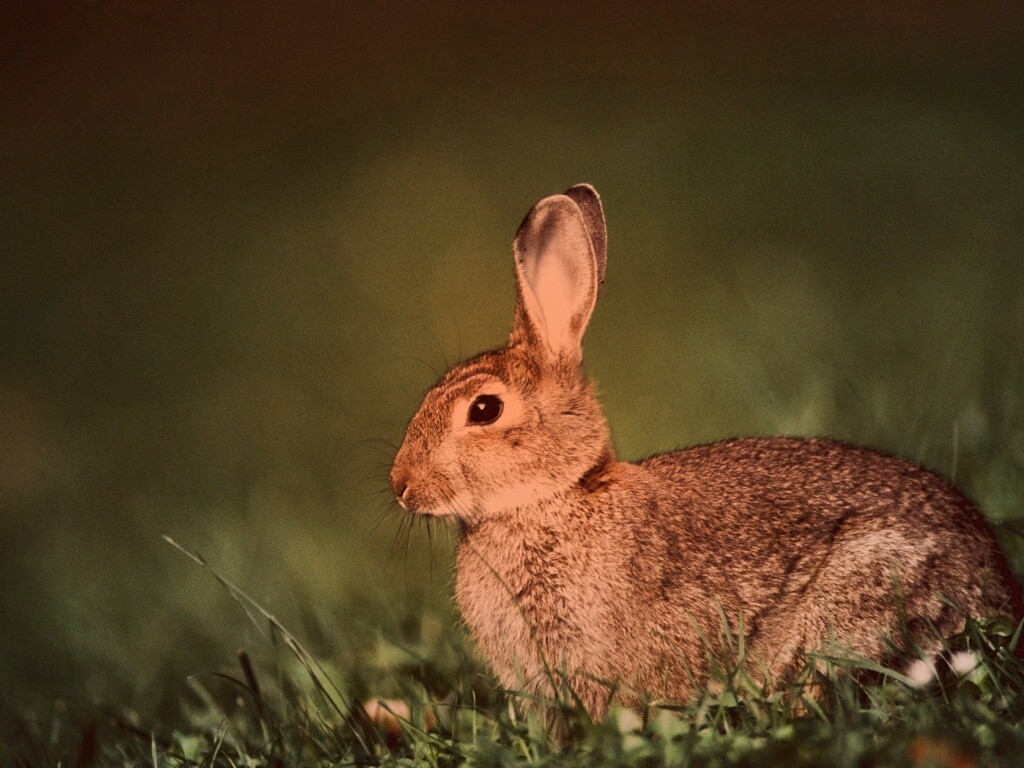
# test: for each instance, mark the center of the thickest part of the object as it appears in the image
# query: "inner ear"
(589, 202)
(557, 274)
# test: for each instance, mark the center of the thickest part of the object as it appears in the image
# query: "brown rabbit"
(576, 567)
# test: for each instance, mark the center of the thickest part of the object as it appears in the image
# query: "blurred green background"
(239, 241)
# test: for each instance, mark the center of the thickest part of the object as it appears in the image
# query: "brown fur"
(573, 566)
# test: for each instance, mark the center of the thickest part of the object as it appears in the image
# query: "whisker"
(388, 453)
(408, 538)
(384, 513)
(379, 472)
(424, 363)
(403, 523)
(374, 440)
(430, 549)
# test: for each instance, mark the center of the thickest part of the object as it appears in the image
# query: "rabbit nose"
(400, 486)
(399, 496)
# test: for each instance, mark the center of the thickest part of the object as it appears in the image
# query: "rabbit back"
(811, 539)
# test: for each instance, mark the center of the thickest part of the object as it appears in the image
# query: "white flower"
(920, 673)
(964, 662)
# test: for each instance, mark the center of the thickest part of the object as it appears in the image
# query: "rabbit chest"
(533, 593)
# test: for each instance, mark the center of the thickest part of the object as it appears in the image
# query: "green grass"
(437, 707)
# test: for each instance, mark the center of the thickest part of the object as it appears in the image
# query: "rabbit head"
(520, 424)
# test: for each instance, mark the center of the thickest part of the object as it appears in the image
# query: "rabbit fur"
(575, 568)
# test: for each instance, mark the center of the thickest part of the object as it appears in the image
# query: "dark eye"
(485, 409)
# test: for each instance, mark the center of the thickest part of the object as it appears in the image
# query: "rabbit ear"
(557, 274)
(589, 201)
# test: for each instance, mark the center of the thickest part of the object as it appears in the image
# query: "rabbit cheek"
(515, 496)
(472, 464)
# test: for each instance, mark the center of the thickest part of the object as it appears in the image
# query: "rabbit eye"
(485, 409)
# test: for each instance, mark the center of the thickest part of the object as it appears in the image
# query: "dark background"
(238, 242)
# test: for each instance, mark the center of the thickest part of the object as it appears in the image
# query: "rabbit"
(575, 568)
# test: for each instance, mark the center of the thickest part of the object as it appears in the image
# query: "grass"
(428, 703)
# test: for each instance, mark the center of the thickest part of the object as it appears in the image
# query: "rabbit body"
(796, 542)
(575, 567)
